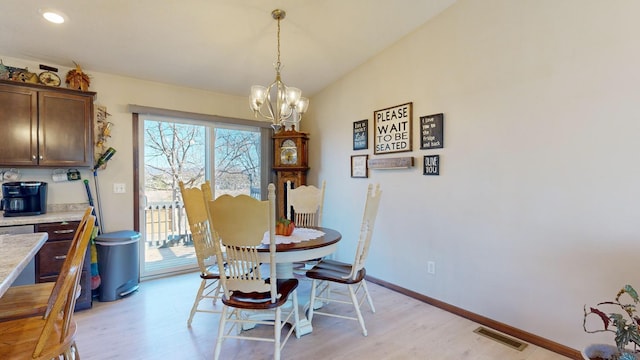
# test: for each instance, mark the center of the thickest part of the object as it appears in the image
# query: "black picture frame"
(392, 129)
(359, 167)
(432, 131)
(431, 165)
(361, 135)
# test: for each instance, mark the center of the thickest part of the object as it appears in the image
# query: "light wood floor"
(152, 324)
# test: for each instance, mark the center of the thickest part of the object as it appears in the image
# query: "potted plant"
(624, 324)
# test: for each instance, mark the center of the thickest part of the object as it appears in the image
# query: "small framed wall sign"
(393, 129)
(361, 135)
(359, 166)
(431, 165)
(432, 131)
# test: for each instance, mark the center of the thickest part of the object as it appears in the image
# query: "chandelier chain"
(278, 62)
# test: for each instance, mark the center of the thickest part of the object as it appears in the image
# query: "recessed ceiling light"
(53, 16)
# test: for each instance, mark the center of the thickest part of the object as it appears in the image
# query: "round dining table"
(289, 253)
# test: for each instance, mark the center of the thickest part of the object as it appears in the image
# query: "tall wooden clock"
(290, 162)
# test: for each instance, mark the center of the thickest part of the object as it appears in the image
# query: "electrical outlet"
(431, 267)
(119, 188)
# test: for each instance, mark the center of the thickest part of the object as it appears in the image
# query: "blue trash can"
(118, 264)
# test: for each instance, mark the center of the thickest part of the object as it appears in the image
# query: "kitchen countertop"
(57, 215)
(17, 251)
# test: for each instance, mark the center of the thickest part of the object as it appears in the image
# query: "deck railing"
(166, 224)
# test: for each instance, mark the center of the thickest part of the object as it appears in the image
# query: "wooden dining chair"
(33, 299)
(304, 208)
(52, 335)
(195, 204)
(241, 223)
(328, 273)
(304, 204)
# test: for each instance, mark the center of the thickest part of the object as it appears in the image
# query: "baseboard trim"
(482, 320)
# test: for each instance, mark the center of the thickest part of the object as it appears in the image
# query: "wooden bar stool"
(32, 300)
(53, 335)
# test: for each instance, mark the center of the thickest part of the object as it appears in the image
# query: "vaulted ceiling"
(220, 45)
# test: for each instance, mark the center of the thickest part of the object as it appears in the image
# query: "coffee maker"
(24, 198)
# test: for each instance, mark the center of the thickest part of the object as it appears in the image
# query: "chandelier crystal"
(282, 105)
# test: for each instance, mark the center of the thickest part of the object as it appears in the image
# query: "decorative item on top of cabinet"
(48, 76)
(45, 126)
(51, 256)
(290, 162)
(27, 77)
(78, 79)
(4, 71)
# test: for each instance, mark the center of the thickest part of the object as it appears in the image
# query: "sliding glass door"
(177, 149)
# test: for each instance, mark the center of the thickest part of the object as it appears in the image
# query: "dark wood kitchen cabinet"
(45, 126)
(51, 256)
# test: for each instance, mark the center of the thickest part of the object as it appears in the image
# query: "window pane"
(173, 152)
(237, 159)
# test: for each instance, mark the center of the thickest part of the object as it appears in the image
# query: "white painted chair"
(329, 273)
(304, 204)
(195, 204)
(241, 222)
(304, 208)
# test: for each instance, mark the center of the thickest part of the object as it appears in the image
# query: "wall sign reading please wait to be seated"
(393, 129)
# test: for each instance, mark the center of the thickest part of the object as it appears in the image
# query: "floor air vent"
(510, 342)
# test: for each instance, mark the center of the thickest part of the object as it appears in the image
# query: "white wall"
(117, 93)
(535, 212)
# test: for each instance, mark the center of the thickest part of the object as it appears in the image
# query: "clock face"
(288, 153)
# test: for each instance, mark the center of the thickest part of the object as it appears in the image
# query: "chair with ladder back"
(52, 335)
(304, 208)
(330, 273)
(304, 205)
(33, 299)
(241, 222)
(195, 204)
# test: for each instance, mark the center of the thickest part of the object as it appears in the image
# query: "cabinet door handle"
(33, 157)
(69, 231)
(40, 157)
(60, 257)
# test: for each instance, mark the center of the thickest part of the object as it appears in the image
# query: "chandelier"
(282, 105)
